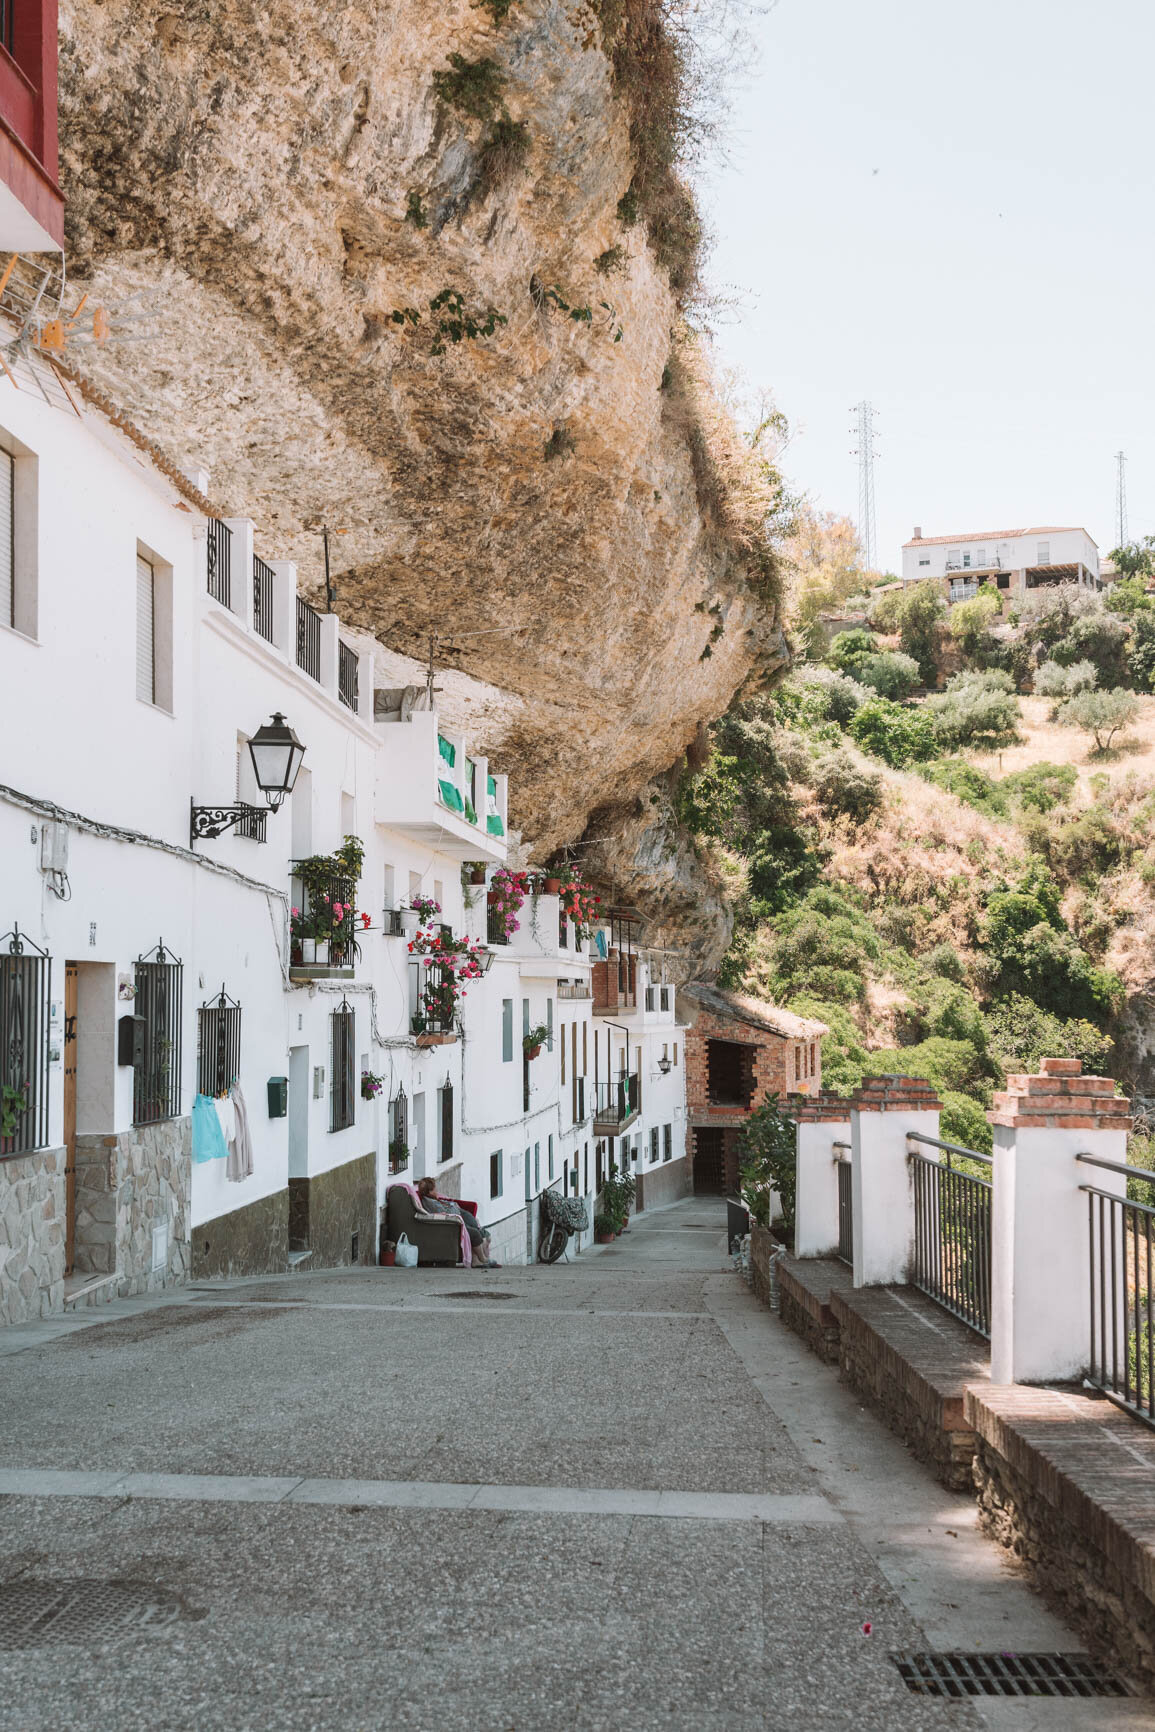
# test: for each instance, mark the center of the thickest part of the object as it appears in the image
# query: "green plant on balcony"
(398, 1155)
(13, 1106)
(579, 905)
(533, 1042)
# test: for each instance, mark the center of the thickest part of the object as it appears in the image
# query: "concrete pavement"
(612, 1494)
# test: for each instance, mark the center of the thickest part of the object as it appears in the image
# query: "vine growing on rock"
(456, 323)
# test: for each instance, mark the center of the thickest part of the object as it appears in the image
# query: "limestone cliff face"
(250, 169)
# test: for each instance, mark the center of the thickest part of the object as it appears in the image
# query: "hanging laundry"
(241, 1151)
(208, 1143)
(227, 1114)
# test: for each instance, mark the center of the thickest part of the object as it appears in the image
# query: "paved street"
(611, 1494)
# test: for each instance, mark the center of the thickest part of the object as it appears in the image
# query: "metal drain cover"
(82, 1613)
(1007, 1675)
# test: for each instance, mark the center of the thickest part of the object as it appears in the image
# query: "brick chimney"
(918, 532)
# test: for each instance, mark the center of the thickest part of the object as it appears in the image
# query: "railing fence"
(1122, 1260)
(845, 1204)
(952, 1231)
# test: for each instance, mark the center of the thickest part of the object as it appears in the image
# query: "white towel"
(228, 1118)
(240, 1161)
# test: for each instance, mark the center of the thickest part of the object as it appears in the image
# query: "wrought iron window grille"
(25, 990)
(156, 1075)
(343, 1095)
(218, 1044)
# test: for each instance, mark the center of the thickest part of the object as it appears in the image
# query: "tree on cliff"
(826, 568)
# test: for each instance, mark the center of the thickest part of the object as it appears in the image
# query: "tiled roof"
(755, 1011)
(1000, 535)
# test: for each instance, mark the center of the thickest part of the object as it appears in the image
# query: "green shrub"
(891, 674)
(473, 86)
(948, 1064)
(920, 618)
(827, 695)
(844, 1057)
(767, 1161)
(970, 625)
(963, 1120)
(945, 962)
(825, 946)
(977, 709)
(1053, 680)
(1078, 847)
(969, 784)
(1141, 651)
(1021, 1033)
(850, 651)
(844, 789)
(897, 734)
(1040, 787)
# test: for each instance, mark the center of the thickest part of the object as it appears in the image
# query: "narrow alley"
(611, 1494)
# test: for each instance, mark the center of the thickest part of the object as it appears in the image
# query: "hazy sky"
(989, 288)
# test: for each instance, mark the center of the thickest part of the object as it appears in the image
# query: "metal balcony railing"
(219, 549)
(347, 676)
(574, 989)
(618, 1103)
(262, 599)
(308, 639)
(495, 932)
(323, 929)
(1122, 1241)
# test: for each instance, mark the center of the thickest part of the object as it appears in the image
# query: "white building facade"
(180, 965)
(1010, 561)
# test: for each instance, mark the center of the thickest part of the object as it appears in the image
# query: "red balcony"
(31, 203)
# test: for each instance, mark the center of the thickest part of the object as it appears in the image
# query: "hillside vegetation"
(938, 839)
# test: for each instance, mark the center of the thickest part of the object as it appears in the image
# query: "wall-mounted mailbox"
(278, 1097)
(130, 1040)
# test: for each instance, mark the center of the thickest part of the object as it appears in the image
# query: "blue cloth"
(208, 1139)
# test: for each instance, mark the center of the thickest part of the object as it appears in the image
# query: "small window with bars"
(445, 1110)
(667, 1142)
(342, 1109)
(653, 1143)
(25, 987)
(218, 1044)
(156, 1072)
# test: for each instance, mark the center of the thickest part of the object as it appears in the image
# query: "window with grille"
(495, 1174)
(667, 1142)
(218, 1044)
(654, 1143)
(7, 541)
(25, 987)
(398, 1131)
(156, 1073)
(342, 1090)
(145, 630)
(445, 1096)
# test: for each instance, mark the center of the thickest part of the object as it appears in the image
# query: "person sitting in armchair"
(478, 1237)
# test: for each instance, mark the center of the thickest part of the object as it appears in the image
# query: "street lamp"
(276, 755)
(664, 1065)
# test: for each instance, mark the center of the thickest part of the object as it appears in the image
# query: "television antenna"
(435, 641)
(863, 430)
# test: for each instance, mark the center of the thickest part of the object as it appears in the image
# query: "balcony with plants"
(617, 1103)
(446, 963)
(542, 920)
(324, 923)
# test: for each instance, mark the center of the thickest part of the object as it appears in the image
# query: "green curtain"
(494, 824)
(448, 752)
(451, 796)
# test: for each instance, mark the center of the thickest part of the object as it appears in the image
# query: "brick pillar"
(883, 1113)
(822, 1121)
(1040, 1246)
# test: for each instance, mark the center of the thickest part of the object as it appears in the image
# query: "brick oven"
(738, 1051)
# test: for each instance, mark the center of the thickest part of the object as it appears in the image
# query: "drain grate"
(82, 1613)
(1007, 1675)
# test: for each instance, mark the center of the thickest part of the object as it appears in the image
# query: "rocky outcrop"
(284, 193)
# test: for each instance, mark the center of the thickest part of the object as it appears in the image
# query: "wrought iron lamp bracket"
(208, 822)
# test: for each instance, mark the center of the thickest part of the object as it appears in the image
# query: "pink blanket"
(419, 1203)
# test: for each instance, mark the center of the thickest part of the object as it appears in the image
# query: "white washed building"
(1010, 561)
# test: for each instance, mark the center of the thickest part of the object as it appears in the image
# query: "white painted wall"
(1066, 546)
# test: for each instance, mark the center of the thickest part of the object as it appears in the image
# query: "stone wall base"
(31, 1235)
(253, 1240)
(662, 1183)
(335, 1207)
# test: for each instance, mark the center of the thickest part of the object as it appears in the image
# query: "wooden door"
(71, 980)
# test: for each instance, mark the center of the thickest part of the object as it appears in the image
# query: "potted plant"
(388, 1253)
(552, 886)
(425, 907)
(533, 1041)
(507, 892)
(603, 1229)
(476, 872)
(371, 1085)
(398, 1155)
(417, 1024)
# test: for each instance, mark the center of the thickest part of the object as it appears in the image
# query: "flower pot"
(322, 953)
(603, 1238)
(308, 952)
(410, 921)
(552, 886)
(389, 1257)
(477, 877)
(532, 1051)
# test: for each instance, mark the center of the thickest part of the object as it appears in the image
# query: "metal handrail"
(1116, 1167)
(951, 1148)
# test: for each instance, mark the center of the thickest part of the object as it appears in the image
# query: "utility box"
(130, 1040)
(278, 1097)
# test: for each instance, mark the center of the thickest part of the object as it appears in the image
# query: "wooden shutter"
(7, 520)
(145, 631)
(506, 1030)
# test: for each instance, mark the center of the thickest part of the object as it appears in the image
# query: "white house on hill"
(1009, 560)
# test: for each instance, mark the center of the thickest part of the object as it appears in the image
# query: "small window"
(667, 1142)
(549, 1024)
(445, 1114)
(507, 1031)
(924, 562)
(495, 1175)
(537, 1167)
(145, 631)
(675, 1055)
(980, 556)
(549, 1163)
(156, 1069)
(1003, 580)
(1044, 557)
(653, 1143)
(341, 1100)
(966, 559)
(218, 1045)
(954, 557)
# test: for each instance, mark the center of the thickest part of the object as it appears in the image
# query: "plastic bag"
(406, 1253)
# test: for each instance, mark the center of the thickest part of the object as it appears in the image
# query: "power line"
(863, 430)
(1120, 499)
